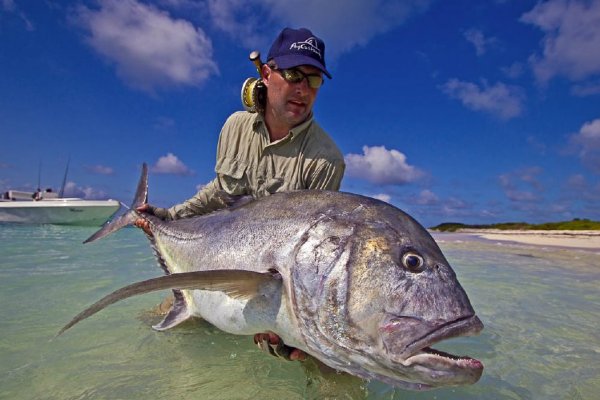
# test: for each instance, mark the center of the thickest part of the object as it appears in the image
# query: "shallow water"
(540, 307)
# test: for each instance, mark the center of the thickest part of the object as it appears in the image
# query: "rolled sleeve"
(203, 202)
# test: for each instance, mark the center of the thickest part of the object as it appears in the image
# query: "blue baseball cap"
(294, 47)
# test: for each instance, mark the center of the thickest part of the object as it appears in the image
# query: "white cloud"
(587, 142)
(343, 24)
(381, 166)
(577, 182)
(572, 39)
(590, 133)
(427, 197)
(383, 197)
(578, 187)
(183, 4)
(164, 123)
(148, 48)
(170, 164)
(10, 6)
(84, 192)
(586, 89)
(456, 207)
(100, 169)
(537, 145)
(477, 39)
(522, 186)
(241, 20)
(513, 71)
(501, 100)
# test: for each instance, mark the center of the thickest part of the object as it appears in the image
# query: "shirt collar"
(295, 131)
(292, 134)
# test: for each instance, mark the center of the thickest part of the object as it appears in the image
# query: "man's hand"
(273, 344)
(141, 222)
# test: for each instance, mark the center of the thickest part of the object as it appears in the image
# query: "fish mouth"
(428, 355)
(419, 353)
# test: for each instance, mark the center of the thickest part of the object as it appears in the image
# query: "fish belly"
(263, 313)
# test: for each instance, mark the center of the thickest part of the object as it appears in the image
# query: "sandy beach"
(572, 239)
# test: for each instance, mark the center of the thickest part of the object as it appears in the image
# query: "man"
(282, 148)
(279, 149)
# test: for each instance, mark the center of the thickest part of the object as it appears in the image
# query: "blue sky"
(463, 111)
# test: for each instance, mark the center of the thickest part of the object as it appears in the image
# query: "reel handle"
(255, 58)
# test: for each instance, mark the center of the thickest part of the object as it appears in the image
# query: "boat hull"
(58, 211)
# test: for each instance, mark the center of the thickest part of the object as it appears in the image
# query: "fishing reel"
(254, 91)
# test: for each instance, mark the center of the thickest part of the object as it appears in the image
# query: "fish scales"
(351, 280)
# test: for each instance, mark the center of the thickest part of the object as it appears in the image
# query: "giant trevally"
(351, 280)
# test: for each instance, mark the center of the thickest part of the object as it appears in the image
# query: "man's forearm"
(203, 202)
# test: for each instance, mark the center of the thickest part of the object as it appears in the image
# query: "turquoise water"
(540, 307)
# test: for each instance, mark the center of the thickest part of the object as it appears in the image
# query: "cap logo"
(309, 44)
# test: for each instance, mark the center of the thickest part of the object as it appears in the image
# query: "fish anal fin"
(178, 313)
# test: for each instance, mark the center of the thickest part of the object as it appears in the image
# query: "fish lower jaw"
(434, 368)
(432, 357)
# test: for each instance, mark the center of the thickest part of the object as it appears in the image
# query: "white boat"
(20, 207)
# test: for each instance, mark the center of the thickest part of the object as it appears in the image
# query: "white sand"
(577, 239)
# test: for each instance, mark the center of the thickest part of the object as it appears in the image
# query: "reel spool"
(253, 94)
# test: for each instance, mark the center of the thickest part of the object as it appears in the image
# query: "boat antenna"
(61, 194)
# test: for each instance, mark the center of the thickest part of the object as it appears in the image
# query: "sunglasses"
(294, 75)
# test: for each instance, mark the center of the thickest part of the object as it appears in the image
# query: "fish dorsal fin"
(237, 284)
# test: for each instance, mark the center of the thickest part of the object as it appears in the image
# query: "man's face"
(289, 103)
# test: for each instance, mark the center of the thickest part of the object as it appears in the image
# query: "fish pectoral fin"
(242, 285)
(236, 283)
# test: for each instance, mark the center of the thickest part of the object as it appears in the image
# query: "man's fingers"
(297, 355)
(143, 224)
(273, 344)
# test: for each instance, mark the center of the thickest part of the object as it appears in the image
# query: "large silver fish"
(351, 280)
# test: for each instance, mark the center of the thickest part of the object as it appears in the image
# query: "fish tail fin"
(141, 197)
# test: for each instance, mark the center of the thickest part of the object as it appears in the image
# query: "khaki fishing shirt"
(249, 164)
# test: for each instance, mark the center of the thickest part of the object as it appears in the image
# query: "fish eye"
(412, 261)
